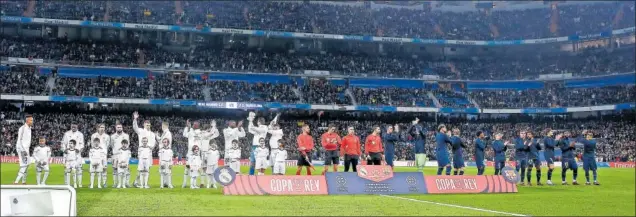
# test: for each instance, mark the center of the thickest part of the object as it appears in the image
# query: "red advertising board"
(468, 184)
(277, 185)
(622, 164)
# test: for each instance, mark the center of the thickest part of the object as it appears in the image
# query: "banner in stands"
(174, 28)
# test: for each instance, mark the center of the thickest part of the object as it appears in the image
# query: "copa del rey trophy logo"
(376, 173)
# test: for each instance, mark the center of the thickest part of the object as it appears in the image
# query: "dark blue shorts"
(388, 157)
(589, 164)
(569, 164)
(480, 163)
(458, 163)
(500, 164)
(549, 160)
(442, 160)
(534, 162)
(521, 163)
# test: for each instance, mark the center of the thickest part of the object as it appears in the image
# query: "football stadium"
(317, 108)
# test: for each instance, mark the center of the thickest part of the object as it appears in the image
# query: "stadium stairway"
(50, 84)
(296, 91)
(206, 94)
(151, 89)
(30, 11)
(435, 100)
(475, 104)
(351, 96)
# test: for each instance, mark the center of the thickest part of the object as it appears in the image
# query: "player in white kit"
(205, 147)
(276, 134)
(195, 166)
(41, 156)
(78, 137)
(123, 158)
(116, 144)
(280, 158)
(212, 160)
(23, 143)
(104, 143)
(197, 137)
(262, 152)
(234, 156)
(259, 131)
(231, 133)
(145, 160)
(70, 163)
(165, 134)
(96, 157)
(165, 164)
(141, 133)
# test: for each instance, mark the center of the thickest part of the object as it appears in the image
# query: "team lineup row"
(203, 156)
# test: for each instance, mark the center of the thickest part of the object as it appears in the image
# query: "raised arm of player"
(134, 124)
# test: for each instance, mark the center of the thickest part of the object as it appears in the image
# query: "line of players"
(203, 155)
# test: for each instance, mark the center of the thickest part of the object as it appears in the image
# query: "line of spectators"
(26, 80)
(296, 16)
(616, 141)
(553, 97)
(209, 58)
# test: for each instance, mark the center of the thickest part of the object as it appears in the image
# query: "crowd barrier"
(366, 38)
(277, 105)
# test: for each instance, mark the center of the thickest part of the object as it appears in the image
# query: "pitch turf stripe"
(452, 205)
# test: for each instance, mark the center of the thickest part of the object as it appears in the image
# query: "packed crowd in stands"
(27, 80)
(206, 58)
(553, 97)
(616, 141)
(300, 16)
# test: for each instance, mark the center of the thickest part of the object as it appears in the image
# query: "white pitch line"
(451, 205)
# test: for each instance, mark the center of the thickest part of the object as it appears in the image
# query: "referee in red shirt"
(305, 145)
(350, 150)
(373, 147)
(330, 141)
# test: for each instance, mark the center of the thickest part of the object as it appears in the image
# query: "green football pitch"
(616, 196)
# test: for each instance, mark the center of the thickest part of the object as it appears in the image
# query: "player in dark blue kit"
(567, 157)
(418, 138)
(521, 154)
(589, 155)
(500, 149)
(441, 150)
(389, 138)
(533, 158)
(548, 145)
(458, 152)
(480, 148)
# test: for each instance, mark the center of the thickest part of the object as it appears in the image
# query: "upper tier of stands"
(545, 22)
